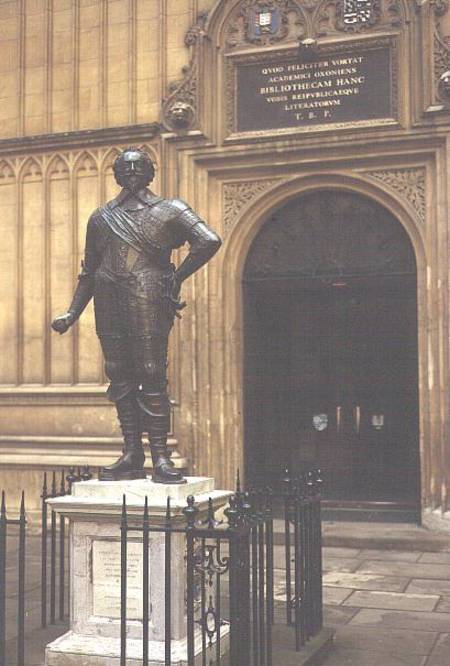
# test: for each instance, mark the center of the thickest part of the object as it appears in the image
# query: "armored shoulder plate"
(165, 210)
(179, 206)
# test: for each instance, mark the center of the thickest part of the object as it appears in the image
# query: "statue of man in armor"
(136, 290)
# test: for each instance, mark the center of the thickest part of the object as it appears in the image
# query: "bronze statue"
(136, 290)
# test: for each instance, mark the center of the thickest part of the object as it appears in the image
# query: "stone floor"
(388, 607)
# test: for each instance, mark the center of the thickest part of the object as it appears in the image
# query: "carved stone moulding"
(440, 7)
(409, 183)
(180, 108)
(89, 139)
(238, 195)
(265, 22)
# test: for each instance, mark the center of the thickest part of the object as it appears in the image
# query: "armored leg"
(155, 407)
(123, 392)
(130, 465)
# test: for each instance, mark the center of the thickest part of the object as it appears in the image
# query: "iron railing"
(20, 608)
(229, 574)
(230, 604)
(54, 563)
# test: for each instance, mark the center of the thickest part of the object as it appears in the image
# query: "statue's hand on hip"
(174, 297)
(62, 323)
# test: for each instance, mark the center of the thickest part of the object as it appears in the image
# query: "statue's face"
(133, 174)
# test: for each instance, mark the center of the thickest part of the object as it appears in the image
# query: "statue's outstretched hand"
(62, 323)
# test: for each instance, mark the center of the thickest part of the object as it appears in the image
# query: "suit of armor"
(127, 269)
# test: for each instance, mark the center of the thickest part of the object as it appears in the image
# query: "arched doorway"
(330, 349)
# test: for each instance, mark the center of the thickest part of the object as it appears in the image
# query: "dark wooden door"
(332, 383)
(353, 373)
(331, 363)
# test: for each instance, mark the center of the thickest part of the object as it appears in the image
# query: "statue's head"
(133, 169)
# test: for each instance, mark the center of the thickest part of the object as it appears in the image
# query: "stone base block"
(94, 509)
(73, 649)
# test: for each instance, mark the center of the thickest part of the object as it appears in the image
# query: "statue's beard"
(132, 183)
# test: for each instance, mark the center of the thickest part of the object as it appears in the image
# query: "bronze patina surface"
(127, 269)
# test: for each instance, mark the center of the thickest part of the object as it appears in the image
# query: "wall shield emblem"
(263, 20)
(355, 15)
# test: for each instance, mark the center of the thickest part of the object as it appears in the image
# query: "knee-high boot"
(156, 408)
(130, 465)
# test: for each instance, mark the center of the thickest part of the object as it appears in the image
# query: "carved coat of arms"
(263, 20)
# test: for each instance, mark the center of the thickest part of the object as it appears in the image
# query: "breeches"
(134, 361)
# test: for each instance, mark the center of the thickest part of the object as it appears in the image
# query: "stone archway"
(235, 253)
(330, 347)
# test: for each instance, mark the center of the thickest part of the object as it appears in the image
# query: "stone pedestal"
(94, 509)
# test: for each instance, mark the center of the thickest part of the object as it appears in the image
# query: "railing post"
(262, 583)
(190, 513)
(299, 573)
(319, 549)
(268, 520)
(21, 587)
(316, 528)
(203, 598)
(244, 539)
(218, 602)
(62, 551)
(232, 515)
(287, 483)
(145, 576)
(239, 580)
(123, 583)
(44, 526)
(310, 553)
(168, 588)
(70, 478)
(53, 555)
(3, 535)
(305, 556)
(254, 585)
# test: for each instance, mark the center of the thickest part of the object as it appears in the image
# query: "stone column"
(94, 509)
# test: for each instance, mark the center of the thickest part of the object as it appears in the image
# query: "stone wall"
(82, 78)
(69, 64)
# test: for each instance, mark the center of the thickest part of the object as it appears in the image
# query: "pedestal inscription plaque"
(346, 84)
(106, 579)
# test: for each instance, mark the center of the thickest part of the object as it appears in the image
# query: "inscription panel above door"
(343, 84)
